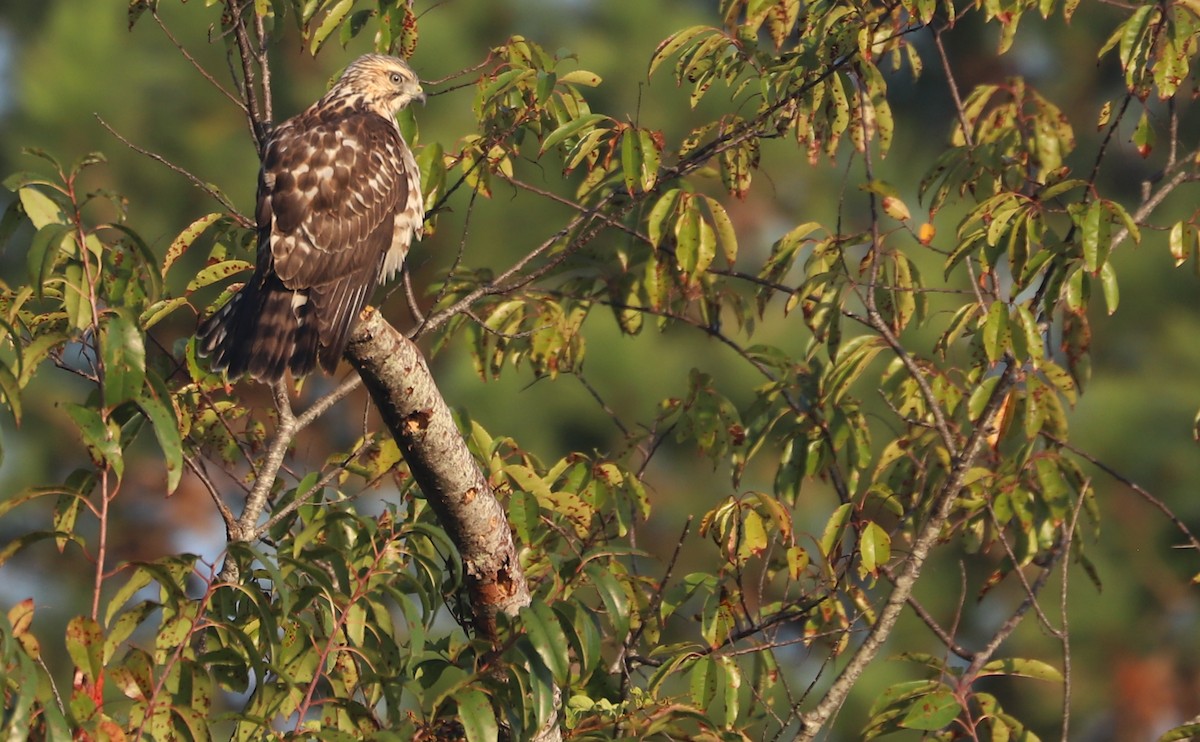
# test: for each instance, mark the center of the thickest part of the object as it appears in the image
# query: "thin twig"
(195, 64)
(254, 111)
(264, 68)
(256, 501)
(241, 218)
(1010, 625)
(1064, 616)
(945, 637)
(1134, 486)
(544, 193)
(948, 70)
(612, 414)
(652, 610)
(226, 514)
(302, 498)
(940, 510)
(1030, 593)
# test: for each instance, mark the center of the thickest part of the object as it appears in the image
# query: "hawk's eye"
(395, 78)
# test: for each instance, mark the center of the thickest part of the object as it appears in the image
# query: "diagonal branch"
(413, 409)
(406, 395)
(241, 218)
(942, 506)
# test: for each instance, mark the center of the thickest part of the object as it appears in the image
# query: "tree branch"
(412, 407)
(943, 504)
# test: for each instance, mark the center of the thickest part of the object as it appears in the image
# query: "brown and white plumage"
(339, 203)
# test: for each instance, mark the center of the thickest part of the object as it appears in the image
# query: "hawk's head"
(385, 83)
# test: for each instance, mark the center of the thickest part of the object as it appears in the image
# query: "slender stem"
(1142, 492)
(1064, 616)
(195, 64)
(942, 506)
(241, 218)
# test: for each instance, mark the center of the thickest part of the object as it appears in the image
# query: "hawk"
(339, 203)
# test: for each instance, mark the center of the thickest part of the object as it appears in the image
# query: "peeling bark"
(398, 379)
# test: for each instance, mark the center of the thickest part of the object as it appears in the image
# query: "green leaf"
(1108, 282)
(126, 623)
(77, 298)
(853, 359)
(632, 160)
(586, 78)
(1095, 230)
(137, 7)
(658, 214)
(101, 440)
(571, 128)
(156, 405)
(28, 539)
(337, 13)
(174, 633)
(1022, 667)
(674, 43)
(724, 229)
(980, 397)
(703, 679)
(42, 210)
(185, 239)
(731, 686)
(932, 711)
(833, 529)
(523, 515)
(995, 331)
(540, 696)
(159, 310)
(477, 716)
(44, 249)
(1188, 731)
(874, 547)
(651, 158)
(1031, 336)
(547, 637)
(584, 635)
(1144, 137)
(66, 510)
(528, 480)
(85, 644)
(216, 272)
(139, 579)
(1079, 290)
(124, 351)
(154, 280)
(585, 150)
(615, 600)
(706, 249)
(752, 536)
(11, 388)
(687, 237)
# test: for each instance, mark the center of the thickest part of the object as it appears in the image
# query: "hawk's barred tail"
(264, 330)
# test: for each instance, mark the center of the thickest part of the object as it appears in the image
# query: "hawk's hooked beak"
(420, 96)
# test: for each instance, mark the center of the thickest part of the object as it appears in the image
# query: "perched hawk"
(339, 203)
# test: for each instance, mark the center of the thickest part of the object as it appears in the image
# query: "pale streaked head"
(387, 84)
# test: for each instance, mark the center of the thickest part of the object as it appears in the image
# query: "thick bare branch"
(412, 407)
(404, 391)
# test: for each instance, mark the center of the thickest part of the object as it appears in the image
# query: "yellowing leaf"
(40, 208)
(895, 208)
(581, 77)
